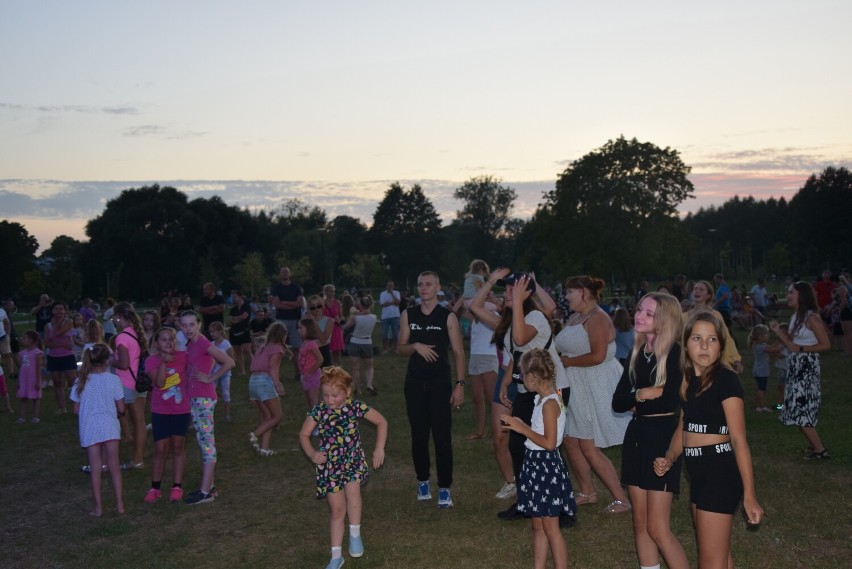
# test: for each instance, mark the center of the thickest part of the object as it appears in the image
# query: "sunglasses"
(316, 307)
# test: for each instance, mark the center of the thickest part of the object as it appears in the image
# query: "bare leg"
(140, 434)
(161, 450)
(713, 533)
(271, 410)
(355, 371)
(94, 453)
(500, 442)
(58, 389)
(558, 547)
(652, 529)
(477, 386)
(178, 458)
(352, 491)
(603, 468)
(581, 467)
(539, 544)
(112, 452)
(368, 372)
(813, 438)
(337, 509)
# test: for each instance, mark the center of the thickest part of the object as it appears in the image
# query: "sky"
(331, 102)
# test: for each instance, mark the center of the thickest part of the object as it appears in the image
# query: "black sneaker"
(817, 455)
(510, 514)
(566, 522)
(199, 497)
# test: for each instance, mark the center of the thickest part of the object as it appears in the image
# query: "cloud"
(787, 159)
(163, 132)
(88, 109)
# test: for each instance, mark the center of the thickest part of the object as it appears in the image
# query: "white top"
(480, 339)
(109, 325)
(537, 421)
(543, 334)
(3, 317)
(392, 310)
(363, 332)
(803, 336)
(98, 415)
(758, 294)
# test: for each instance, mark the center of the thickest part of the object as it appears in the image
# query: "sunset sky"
(332, 101)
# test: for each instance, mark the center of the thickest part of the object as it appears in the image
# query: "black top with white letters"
(704, 413)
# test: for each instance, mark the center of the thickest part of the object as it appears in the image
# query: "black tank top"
(429, 329)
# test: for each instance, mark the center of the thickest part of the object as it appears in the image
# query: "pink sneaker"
(176, 494)
(152, 496)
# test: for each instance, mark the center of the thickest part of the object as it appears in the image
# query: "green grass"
(267, 514)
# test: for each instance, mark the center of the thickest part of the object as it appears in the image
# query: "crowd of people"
(556, 368)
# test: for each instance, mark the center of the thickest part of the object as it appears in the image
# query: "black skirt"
(646, 439)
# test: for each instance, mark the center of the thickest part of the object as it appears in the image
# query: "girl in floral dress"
(341, 465)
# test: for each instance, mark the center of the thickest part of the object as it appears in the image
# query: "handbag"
(143, 381)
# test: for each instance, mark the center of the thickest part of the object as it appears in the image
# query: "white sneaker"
(507, 491)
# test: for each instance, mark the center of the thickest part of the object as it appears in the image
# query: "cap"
(513, 277)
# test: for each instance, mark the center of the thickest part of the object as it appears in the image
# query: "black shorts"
(61, 363)
(715, 484)
(240, 338)
(646, 439)
(166, 426)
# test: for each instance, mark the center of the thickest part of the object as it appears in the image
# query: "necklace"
(647, 355)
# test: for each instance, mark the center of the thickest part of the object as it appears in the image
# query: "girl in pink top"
(201, 355)
(130, 342)
(30, 364)
(61, 361)
(265, 387)
(310, 360)
(169, 412)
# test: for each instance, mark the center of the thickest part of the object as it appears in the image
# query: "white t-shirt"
(480, 340)
(3, 317)
(543, 334)
(392, 310)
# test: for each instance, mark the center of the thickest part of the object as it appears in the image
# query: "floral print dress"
(340, 440)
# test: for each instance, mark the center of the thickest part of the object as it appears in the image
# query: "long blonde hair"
(668, 328)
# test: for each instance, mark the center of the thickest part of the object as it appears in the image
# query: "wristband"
(461, 382)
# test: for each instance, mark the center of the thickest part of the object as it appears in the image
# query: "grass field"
(267, 515)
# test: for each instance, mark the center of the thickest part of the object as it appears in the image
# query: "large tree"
(19, 248)
(614, 212)
(406, 230)
(821, 215)
(62, 263)
(146, 241)
(487, 206)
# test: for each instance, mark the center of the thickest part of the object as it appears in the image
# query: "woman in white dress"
(586, 346)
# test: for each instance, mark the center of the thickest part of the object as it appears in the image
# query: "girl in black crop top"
(712, 435)
(650, 386)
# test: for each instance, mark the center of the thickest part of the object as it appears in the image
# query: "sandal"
(88, 468)
(253, 441)
(265, 452)
(618, 507)
(130, 465)
(581, 498)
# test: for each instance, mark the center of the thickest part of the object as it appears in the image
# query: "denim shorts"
(261, 387)
(131, 395)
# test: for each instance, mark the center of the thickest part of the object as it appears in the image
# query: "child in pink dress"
(30, 364)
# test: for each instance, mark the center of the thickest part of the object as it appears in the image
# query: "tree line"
(612, 213)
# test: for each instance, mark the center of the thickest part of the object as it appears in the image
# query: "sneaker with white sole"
(424, 491)
(508, 490)
(356, 546)
(445, 498)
